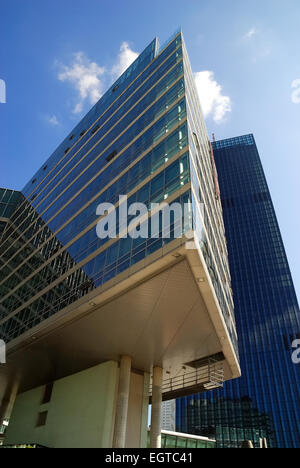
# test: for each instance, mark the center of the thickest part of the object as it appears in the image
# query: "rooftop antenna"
(213, 137)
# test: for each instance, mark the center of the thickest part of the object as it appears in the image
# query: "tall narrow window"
(95, 129)
(42, 419)
(111, 156)
(48, 393)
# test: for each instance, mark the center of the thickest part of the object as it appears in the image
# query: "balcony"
(208, 375)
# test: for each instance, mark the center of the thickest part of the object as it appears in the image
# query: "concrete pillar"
(145, 412)
(4, 410)
(247, 444)
(156, 412)
(9, 399)
(122, 403)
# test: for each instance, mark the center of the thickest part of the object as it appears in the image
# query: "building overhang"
(158, 312)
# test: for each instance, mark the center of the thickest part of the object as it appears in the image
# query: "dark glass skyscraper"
(265, 401)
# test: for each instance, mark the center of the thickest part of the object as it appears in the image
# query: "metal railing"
(207, 377)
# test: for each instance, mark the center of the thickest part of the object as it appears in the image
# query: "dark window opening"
(34, 181)
(115, 88)
(196, 141)
(111, 155)
(82, 133)
(95, 129)
(45, 168)
(67, 150)
(48, 393)
(42, 419)
(86, 286)
(286, 343)
(71, 137)
(33, 197)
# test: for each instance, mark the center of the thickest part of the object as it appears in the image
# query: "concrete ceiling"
(162, 321)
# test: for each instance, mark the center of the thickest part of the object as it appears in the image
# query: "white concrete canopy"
(160, 315)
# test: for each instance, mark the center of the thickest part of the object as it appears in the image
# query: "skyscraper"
(9, 199)
(265, 401)
(168, 415)
(99, 315)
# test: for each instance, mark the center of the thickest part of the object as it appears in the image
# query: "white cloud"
(251, 33)
(213, 102)
(261, 53)
(53, 120)
(89, 79)
(259, 45)
(296, 93)
(86, 77)
(126, 57)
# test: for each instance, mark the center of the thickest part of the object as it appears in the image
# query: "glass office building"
(9, 200)
(146, 139)
(173, 440)
(20, 251)
(265, 401)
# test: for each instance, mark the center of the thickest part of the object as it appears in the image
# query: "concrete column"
(247, 444)
(145, 411)
(9, 399)
(155, 431)
(122, 403)
(4, 409)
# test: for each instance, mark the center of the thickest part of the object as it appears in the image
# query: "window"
(172, 172)
(34, 181)
(82, 133)
(111, 155)
(42, 419)
(45, 168)
(71, 137)
(48, 393)
(67, 150)
(196, 141)
(84, 287)
(95, 129)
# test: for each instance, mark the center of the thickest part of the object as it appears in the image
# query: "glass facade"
(9, 200)
(173, 440)
(146, 139)
(265, 401)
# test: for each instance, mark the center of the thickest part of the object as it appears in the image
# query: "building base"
(81, 412)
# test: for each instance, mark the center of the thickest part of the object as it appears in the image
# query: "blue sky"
(58, 56)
